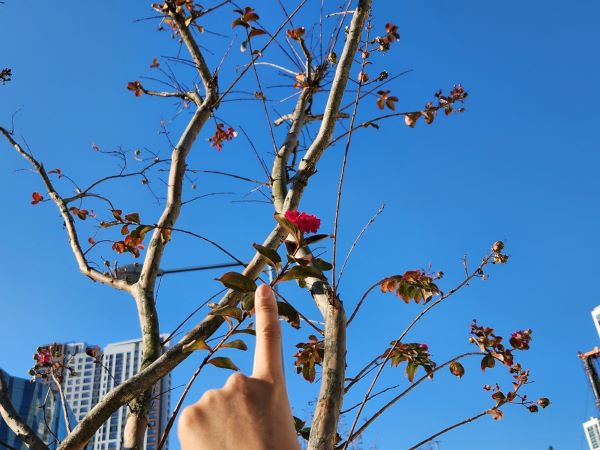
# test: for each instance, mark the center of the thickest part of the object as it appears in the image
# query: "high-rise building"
(39, 407)
(93, 377)
(596, 318)
(122, 360)
(592, 432)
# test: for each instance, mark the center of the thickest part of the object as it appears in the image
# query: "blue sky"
(519, 165)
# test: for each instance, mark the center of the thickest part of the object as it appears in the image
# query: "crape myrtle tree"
(335, 72)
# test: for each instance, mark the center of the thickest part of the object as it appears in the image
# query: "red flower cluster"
(221, 135)
(43, 356)
(307, 223)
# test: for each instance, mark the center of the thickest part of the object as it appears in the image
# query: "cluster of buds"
(499, 257)
(49, 364)
(221, 135)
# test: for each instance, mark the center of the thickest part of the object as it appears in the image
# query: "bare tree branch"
(340, 80)
(143, 290)
(465, 282)
(445, 430)
(371, 419)
(82, 262)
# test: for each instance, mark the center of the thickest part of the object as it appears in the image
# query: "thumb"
(267, 356)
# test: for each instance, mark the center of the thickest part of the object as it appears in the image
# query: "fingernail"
(263, 291)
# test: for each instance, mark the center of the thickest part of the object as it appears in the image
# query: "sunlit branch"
(450, 428)
(371, 419)
(474, 274)
(338, 200)
(82, 262)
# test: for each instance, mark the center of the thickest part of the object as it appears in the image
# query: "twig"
(262, 50)
(82, 262)
(371, 419)
(218, 172)
(445, 430)
(63, 402)
(362, 299)
(261, 95)
(338, 200)
(415, 320)
(357, 240)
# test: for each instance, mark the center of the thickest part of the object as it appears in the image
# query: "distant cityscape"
(93, 373)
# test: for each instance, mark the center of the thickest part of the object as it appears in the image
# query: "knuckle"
(269, 309)
(189, 417)
(209, 397)
(236, 381)
(270, 330)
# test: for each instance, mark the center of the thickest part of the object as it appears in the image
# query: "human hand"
(248, 413)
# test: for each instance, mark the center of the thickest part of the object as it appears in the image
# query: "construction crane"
(588, 359)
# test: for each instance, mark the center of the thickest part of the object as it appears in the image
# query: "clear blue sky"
(520, 165)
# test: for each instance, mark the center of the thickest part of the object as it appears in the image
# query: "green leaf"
(141, 230)
(248, 301)
(228, 311)
(322, 264)
(411, 369)
(237, 343)
(245, 331)
(316, 238)
(298, 423)
(269, 254)
(198, 345)
(289, 227)
(223, 363)
(289, 313)
(237, 282)
(301, 272)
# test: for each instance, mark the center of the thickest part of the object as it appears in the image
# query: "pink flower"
(424, 347)
(43, 357)
(307, 223)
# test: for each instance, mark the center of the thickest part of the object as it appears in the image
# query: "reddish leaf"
(154, 64)
(37, 197)
(133, 217)
(296, 33)
(135, 87)
(488, 361)
(117, 214)
(495, 413)
(81, 213)
(255, 32)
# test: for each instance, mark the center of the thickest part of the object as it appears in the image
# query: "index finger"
(267, 356)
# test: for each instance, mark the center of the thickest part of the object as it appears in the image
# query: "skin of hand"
(248, 413)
